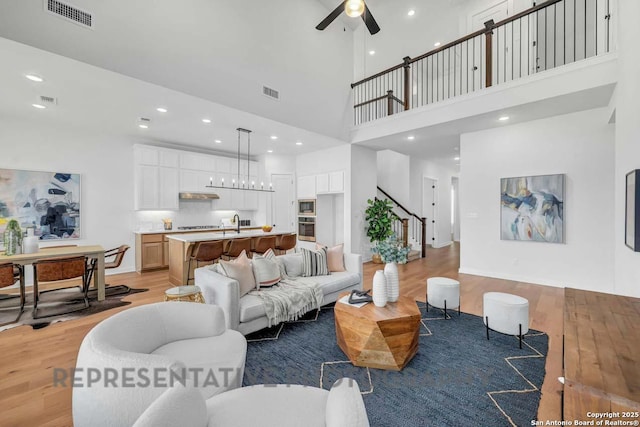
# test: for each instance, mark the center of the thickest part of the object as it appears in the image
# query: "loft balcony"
(558, 55)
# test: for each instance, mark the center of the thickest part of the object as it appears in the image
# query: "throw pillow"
(278, 260)
(292, 264)
(314, 263)
(335, 257)
(266, 270)
(240, 270)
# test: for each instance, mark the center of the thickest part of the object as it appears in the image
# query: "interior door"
(283, 202)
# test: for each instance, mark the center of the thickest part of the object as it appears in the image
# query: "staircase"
(411, 229)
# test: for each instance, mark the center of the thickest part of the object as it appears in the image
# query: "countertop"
(199, 230)
(201, 237)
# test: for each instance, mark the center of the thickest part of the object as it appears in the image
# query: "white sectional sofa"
(247, 314)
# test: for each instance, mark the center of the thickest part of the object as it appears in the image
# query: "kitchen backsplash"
(190, 213)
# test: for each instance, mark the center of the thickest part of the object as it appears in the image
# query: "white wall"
(362, 188)
(419, 170)
(580, 145)
(393, 175)
(627, 263)
(106, 167)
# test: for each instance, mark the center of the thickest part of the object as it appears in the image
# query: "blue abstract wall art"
(532, 208)
(47, 201)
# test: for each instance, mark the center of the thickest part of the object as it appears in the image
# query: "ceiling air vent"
(48, 100)
(69, 12)
(271, 93)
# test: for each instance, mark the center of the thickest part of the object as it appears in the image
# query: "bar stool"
(205, 252)
(287, 242)
(9, 274)
(263, 244)
(58, 269)
(236, 246)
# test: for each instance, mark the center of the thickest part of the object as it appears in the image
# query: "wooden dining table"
(94, 252)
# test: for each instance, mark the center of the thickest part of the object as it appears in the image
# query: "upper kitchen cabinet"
(144, 155)
(307, 187)
(155, 184)
(169, 158)
(196, 161)
(168, 189)
(322, 183)
(336, 182)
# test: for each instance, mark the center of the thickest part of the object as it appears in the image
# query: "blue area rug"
(457, 378)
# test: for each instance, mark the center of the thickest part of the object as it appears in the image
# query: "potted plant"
(12, 238)
(379, 216)
(393, 252)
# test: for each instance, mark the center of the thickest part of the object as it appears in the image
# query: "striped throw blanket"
(289, 299)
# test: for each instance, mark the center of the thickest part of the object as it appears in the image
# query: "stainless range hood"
(198, 196)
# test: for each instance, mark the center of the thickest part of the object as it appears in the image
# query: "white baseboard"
(514, 277)
(442, 245)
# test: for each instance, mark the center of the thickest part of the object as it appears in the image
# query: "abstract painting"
(532, 208)
(46, 201)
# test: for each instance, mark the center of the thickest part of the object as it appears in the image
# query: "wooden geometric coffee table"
(379, 337)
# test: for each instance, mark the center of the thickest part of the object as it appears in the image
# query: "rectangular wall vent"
(48, 100)
(271, 93)
(69, 12)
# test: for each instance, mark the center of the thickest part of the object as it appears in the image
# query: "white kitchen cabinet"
(169, 158)
(250, 200)
(199, 162)
(336, 182)
(224, 203)
(146, 187)
(168, 188)
(223, 165)
(307, 187)
(146, 155)
(322, 183)
(191, 180)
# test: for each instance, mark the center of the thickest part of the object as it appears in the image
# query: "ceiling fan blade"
(332, 16)
(370, 22)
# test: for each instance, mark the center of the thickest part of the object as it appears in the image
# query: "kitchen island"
(181, 247)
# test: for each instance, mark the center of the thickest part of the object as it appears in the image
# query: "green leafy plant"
(379, 216)
(12, 237)
(392, 250)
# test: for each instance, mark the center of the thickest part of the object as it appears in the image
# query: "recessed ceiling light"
(206, 120)
(411, 138)
(143, 126)
(269, 151)
(456, 158)
(162, 110)
(34, 78)
(298, 143)
(217, 141)
(411, 12)
(504, 118)
(436, 44)
(39, 106)
(274, 137)
(372, 52)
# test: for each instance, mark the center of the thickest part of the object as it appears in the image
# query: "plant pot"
(376, 259)
(393, 281)
(379, 289)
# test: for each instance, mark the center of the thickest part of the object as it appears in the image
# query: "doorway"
(430, 208)
(455, 210)
(283, 202)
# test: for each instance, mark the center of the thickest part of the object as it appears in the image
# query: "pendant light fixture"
(239, 183)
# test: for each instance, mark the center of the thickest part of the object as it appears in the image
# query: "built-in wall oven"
(307, 207)
(307, 228)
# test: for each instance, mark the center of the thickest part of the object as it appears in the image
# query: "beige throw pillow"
(335, 257)
(240, 270)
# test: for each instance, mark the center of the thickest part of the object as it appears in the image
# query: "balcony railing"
(546, 36)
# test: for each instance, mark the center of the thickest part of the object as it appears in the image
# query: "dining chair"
(205, 252)
(234, 247)
(9, 275)
(58, 269)
(116, 253)
(286, 242)
(263, 244)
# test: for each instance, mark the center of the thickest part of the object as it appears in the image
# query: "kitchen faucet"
(236, 217)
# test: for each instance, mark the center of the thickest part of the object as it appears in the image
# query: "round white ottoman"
(444, 293)
(506, 313)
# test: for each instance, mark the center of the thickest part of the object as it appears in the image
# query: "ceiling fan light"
(354, 8)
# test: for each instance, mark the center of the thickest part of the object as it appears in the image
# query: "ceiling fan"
(352, 8)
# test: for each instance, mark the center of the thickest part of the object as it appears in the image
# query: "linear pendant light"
(249, 186)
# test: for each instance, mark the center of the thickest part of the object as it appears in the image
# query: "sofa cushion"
(251, 307)
(314, 263)
(284, 405)
(210, 369)
(239, 269)
(292, 264)
(334, 282)
(267, 269)
(335, 257)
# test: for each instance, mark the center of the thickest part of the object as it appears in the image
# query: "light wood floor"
(28, 357)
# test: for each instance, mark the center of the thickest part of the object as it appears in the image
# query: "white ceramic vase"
(393, 282)
(379, 289)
